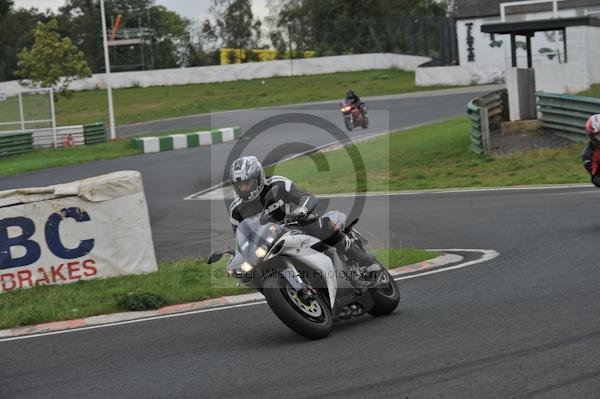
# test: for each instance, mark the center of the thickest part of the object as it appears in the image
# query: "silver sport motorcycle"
(306, 283)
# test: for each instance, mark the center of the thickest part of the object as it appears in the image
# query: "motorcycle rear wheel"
(386, 297)
(311, 320)
(365, 121)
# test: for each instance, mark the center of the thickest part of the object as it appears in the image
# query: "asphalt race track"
(523, 325)
(180, 228)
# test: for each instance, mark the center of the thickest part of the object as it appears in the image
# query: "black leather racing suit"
(323, 228)
(588, 163)
(356, 100)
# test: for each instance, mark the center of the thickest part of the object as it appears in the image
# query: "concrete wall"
(582, 68)
(255, 70)
(460, 75)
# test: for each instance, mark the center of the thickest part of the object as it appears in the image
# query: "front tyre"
(348, 120)
(311, 320)
(386, 296)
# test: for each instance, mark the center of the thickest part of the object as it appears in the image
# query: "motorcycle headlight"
(261, 251)
(246, 267)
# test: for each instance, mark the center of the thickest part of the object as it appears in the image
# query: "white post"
(555, 9)
(111, 115)
(21, 111)
(53, 117)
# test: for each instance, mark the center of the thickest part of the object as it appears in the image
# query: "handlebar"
(302, 222)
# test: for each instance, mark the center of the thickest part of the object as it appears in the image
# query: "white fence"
(252, 70)
(43, 138)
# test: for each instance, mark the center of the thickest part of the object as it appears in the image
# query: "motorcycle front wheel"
(348, 120)
(311, 320)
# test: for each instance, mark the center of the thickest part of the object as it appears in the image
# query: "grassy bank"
(174, 283)
(433, 157)
(152, 103)
(51, 157)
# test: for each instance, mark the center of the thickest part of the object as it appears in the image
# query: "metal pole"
(53, 117)
(529, 56)
(513, 50)
(291, 49)
(21, 111)
(111, 115)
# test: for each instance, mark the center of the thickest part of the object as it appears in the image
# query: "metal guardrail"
(565, 115)
(15, 143)
(94, 133)
(485, 114)
(18, 142)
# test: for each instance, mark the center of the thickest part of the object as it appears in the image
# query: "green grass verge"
(593, 91)
(435, 156)
(152, 103)
(175, 282)
(51, 157)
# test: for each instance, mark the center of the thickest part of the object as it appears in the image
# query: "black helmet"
(350, 93)
(247, 177)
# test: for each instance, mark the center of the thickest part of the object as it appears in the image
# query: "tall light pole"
(111, 114)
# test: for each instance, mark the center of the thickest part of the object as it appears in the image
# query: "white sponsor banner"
(91, 228)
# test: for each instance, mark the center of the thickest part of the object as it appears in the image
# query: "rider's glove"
(297, 214)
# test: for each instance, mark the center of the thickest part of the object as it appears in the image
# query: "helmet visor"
(244, 188)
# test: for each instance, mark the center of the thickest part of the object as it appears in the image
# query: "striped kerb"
(187, 140)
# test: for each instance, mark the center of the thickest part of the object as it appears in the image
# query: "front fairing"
(254, 237)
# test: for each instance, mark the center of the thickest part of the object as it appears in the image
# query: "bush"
(136, 301)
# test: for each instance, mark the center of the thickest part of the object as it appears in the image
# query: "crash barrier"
(186, 140)
(13, 143)
(485, 115)
(92, 228)
(94, 133)
(565, 115)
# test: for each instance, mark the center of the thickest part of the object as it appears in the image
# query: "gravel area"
(503, 145)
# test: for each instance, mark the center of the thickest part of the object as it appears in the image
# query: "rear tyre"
(365, 121)
(386, 296)
(312, 320)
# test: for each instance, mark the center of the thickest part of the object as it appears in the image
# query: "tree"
(341, 26)
(235, 26)
(15, 34)
(52, 61)
(5, 5)
(80, 20)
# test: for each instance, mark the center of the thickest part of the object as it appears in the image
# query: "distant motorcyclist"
(251, 186)
(355, 99)
(591, 154)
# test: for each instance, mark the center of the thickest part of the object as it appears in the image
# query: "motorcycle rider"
(591, 154)
(251, 186)
(352, 96)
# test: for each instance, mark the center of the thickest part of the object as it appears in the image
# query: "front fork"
(290, 273)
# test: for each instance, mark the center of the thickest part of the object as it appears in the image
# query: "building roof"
(489, 8)
(529, 27)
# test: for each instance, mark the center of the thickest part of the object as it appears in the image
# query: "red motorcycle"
(353, 116)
